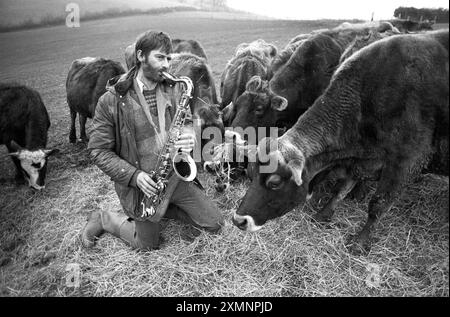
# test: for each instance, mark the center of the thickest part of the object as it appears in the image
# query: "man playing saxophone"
(130, 127)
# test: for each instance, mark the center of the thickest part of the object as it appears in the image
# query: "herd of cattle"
(356, 103)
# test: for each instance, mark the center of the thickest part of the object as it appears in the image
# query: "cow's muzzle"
(246, 223)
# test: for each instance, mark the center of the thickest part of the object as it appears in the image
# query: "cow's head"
(256, 107)
(209, 116)
(307, 72)
(238, 73)
(279, 183)
(33, 164)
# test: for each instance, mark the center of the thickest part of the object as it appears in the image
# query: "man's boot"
(113, 221)
(100, 222)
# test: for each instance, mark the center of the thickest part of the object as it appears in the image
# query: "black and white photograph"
(224, 153)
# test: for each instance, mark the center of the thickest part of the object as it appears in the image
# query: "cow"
(308, 71)
(304, 67)
(130, 56)
(405, 26)
(204, 104)
(86, 82)
(384, 117)
(250, 59)
(300, 73)
(362, 41)
(178, 46)
(189, 46)
(24, 124)
(377, 26)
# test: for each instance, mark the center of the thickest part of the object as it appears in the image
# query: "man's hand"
(186, 142)
(146, 184)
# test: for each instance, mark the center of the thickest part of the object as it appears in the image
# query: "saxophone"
(153, 207)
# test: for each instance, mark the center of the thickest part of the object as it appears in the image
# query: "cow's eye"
(259, 111)
(274, 182)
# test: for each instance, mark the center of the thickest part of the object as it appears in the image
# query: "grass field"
(292, 256)
(15, 12)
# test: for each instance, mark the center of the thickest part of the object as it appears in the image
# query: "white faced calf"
(31, 164)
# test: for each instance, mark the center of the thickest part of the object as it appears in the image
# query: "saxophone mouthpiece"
(169, 78)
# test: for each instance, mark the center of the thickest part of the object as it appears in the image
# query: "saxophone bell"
(184, 166)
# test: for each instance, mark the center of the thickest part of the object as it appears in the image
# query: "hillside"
(18, 12)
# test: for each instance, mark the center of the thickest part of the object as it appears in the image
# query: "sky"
(331, 9)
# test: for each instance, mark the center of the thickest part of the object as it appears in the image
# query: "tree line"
(439, 15)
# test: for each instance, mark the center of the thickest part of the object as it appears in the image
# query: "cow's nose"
(240, 222)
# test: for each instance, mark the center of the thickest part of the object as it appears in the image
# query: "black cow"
(384, 117)
(178, 46)
(24, 123)
(86, 82)
(250, 59)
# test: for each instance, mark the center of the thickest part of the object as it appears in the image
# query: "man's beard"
(152, 73)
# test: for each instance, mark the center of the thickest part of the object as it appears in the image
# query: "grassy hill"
(14, 13)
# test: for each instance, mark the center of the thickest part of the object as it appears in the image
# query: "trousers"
(188, 204)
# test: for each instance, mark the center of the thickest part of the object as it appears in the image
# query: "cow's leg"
(341, 189)
(389, 188)
(359, 191)
(83, 136)
(19, 178)
(319, 178)
(73, 130)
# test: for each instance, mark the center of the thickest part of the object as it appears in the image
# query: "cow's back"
(86, 82)
(188, 46)
(23, 116)
(400, 87)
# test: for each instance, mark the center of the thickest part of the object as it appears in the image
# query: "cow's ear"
(49, 152)
(16, 147)
(279, 103)
(254, 84)
(15, 154)
(296, 167)
(273, 50)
